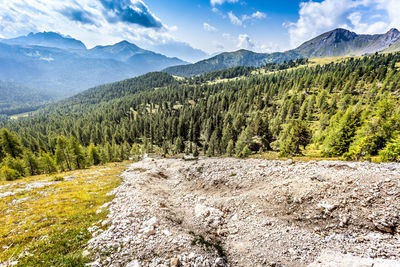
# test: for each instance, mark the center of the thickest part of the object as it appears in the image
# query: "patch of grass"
(327, 60)
(47, 226)
(21, 115)
(199, 240)
(139, 170)
(190, 159)
(308, 156)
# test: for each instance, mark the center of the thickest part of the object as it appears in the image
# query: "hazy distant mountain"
(64, 66)
(132, 54)
(182, 50)
(339, 42)
(48, 39)
(120, 51)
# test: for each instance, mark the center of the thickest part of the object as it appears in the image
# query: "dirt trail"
(231, 212)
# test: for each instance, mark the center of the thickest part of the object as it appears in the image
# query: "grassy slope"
(47, 226)
(261, 71)
(393, 48)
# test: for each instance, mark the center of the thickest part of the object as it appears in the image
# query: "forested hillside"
(229, 60)
(16, 98)
(349, 109)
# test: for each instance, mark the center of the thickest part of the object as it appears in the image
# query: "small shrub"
(201, 241)
(245, 152)
(196, 152)
(139, 170)
(15, 164)
(10, 174)
(392, 151)
(57, 178)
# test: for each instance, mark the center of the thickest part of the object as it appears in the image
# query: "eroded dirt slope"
(231, 212)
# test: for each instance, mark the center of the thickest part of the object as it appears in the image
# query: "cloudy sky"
(175, 27)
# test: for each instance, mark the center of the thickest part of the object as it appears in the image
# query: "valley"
(256, 153)
(290, 108)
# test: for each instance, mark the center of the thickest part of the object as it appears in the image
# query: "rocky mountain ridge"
(339, 42)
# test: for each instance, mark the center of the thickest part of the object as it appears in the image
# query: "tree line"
(346, 109)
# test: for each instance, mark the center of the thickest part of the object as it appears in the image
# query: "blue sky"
(176, 27)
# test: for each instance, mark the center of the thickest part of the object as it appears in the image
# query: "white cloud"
(360, 16)
(255, 15)
(244, 42)
(234, 20)
(207, 27)
(227, 36)
(393, 9)
(215, 10)
(91, 21)
(220, 2)
(237, 21)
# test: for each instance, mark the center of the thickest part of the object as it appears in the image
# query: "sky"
(197, 28)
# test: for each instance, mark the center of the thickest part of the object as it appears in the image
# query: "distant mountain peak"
(392, 34)
(126, 44)
(47, 39)
(47, 34)
(393, 30)
(339, 35)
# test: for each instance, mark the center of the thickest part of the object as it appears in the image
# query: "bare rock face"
(231, 212)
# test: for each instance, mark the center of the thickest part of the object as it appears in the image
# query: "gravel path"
(232, 212)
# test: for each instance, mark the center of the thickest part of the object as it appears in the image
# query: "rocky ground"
(231, 212)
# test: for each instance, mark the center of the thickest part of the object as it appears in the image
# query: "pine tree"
(295, 136)
(230, 149)
(31, 163)
(63, 154)
(244, 139)
(245, 152)
(341, 132)
(77, 152)
(227, 135)
(93, 155)
(16, 164)
(179, 145)
(48, 163)
(10, 143)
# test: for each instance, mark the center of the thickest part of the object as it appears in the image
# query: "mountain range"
(63, 65)
(56, 66)
(339, 42)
